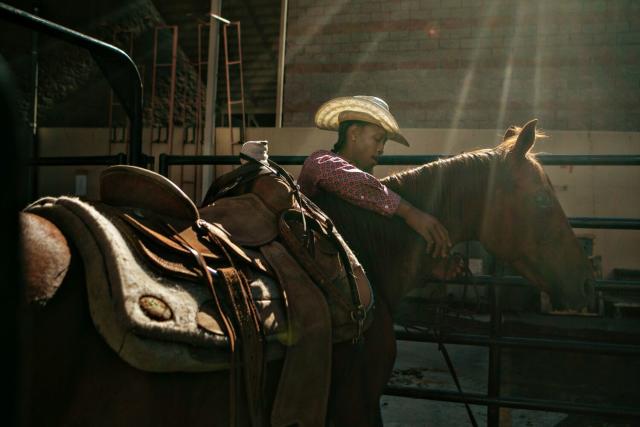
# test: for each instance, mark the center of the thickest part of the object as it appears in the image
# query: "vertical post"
(35, 143)
(493, 411)
(12, 199)
(242, 125)
(174, 55)
(225, 43)
(209, 122)
(281, 59)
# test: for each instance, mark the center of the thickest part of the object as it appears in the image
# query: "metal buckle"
(359, 315)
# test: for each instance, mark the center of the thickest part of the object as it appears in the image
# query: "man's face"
(368, 146)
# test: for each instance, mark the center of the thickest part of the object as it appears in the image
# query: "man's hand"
(436, 236)
(450, 268)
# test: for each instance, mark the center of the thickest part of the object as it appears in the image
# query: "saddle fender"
(45, 257)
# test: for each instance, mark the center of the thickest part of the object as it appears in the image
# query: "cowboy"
(364, 124)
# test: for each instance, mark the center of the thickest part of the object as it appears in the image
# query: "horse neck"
(453, 190)
(394, 256)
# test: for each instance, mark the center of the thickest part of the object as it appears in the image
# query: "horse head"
(524, 224)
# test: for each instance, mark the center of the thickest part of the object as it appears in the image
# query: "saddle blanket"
(156, 322)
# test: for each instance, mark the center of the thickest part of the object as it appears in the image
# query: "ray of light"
(469, 76)
(537, 77)
(370, 49)
(507, 78)
(331, 10)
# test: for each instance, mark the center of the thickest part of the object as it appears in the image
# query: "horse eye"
(543, 200)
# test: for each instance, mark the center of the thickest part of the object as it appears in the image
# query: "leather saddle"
(234, 237)
(166, 221)
(246, 209)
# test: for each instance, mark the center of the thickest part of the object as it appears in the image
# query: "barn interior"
(455, 73)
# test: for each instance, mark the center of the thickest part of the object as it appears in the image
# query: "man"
(364, 124)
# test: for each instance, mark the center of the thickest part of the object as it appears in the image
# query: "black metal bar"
(617, 285)
(163, 166)
(35, 139)
(518, 342)
(172, 159)
(75, 161)
(116, 65)
(608, 223)
(517, 403)
(601, 284)
(13, 197)
(493, 380)
(546, 159)
(589, 160)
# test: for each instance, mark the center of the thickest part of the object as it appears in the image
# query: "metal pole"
(172, 86)
(209, 147)
(281, 59)
(35, 143)
(117, 67)
(493, 387)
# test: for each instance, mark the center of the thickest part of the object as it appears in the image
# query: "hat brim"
(335, 111)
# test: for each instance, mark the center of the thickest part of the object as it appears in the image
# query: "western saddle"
(252, 220)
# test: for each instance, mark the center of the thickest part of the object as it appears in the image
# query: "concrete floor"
(422, 365)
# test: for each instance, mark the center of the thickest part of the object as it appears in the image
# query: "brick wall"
(574, 64)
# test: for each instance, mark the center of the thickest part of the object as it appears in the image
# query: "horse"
(498, 196)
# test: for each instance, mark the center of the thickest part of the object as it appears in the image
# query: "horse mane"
(466, 174)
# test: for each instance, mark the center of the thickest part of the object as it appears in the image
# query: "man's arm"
(334, 174)
(428, 226)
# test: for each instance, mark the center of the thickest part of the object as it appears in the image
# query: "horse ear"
(525, 140)
(509, 133)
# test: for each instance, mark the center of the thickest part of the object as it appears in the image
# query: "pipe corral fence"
(124, 79)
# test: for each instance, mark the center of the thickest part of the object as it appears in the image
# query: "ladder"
(118, 131)
(196, 138)
(157, 66)
(234, 64)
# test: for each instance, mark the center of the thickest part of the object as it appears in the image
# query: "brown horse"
(500, 197)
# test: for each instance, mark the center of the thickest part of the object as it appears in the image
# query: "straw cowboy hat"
(368, 109)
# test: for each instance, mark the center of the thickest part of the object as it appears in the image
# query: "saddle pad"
(155, 323)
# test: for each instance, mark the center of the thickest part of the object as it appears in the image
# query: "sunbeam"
(469, 76)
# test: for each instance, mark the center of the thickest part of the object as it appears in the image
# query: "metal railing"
(116, 159)
(117, 67)
(494, 340)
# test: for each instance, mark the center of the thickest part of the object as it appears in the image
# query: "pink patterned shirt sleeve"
(326, 170)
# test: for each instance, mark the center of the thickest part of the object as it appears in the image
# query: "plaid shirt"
(328, 171)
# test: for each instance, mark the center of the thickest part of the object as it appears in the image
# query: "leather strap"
(251, 341)
(447, 359)
(303, 390)
(226, 321)
(237, 294)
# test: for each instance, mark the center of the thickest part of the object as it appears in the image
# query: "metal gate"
(495, 341)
